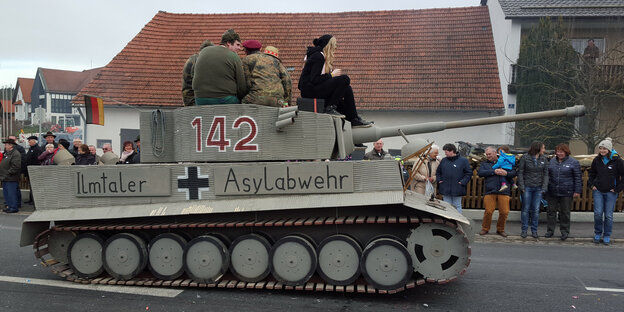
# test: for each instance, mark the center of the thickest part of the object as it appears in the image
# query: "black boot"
(332, 111)
(358, 122)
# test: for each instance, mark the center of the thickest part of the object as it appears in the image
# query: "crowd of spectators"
(15, 160)
(555, 183)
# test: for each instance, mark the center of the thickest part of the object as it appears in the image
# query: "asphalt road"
(501, 277)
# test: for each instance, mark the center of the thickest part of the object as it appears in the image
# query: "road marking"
(144, 291)
(605, 289)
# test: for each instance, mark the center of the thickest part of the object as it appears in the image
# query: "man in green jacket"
(218, 77)
(10, 168)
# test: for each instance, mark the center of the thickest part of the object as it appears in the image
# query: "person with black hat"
(49, 139)
(319, 79)
(218, 77)
(137, 156)
(268, 81)
(31, 159)
(63, 156)
(10, 169)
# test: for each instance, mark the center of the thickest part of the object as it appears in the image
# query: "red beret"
(252, 44)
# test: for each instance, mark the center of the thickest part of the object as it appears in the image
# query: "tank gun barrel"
(372, 134)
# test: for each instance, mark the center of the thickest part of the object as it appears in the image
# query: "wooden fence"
(474, 196)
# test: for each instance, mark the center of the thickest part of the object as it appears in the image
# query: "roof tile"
(397, 60)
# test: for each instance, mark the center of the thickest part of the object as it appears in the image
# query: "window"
(61, 106)
(100, 142)
(579, 45)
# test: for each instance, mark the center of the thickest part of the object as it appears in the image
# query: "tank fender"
(437, 207)
(30, 230)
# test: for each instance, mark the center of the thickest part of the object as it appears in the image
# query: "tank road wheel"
(58, 244)
(206, 259)
(438, 251)
(249, 256)
(166, 255)
(84, 255)
(386, 264)
(125, 256)
(293, 260)
(339, 259)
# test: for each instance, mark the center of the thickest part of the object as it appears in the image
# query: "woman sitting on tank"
(320, 80)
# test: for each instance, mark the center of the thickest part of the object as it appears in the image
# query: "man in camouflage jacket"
(268, 81)
(188, 95)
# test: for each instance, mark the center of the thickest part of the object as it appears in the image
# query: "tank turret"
(258, 133)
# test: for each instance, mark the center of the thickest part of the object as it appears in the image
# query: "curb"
(514, 216)
(576, 241)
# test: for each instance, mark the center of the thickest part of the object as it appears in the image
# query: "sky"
(84, 34)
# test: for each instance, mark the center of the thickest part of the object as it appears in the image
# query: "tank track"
(315, 283)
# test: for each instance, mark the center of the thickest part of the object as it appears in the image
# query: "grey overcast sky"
(84, 34)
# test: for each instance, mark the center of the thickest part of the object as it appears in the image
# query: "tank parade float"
(233, 196)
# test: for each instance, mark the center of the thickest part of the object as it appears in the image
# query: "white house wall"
(491, 134)
(507, 36)
(115, 118)
(20, 110)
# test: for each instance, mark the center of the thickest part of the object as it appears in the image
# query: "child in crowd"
(505, 161)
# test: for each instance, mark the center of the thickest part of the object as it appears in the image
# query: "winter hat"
(322, 41)
(252, 44)
(271, 50)
(606, 143)
(64, 142)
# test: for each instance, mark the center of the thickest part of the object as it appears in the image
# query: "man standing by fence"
(493, 195)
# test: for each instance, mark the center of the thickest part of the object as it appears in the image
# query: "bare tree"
(599, 85)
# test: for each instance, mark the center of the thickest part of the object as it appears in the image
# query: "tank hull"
(341, 199)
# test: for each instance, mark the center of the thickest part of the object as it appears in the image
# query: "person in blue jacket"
(606, 178)
(453, 174)
(505, 161)
(564, 184)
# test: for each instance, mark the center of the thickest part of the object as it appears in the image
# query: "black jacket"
(492, 181)
(452, 175)
(533, 173)
(31, 158)
(137, 157)
(311, 73)
(85, 159)
(129, 159)
(564, 178)
(606, 177)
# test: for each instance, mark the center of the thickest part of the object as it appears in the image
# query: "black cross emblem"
(192, 183)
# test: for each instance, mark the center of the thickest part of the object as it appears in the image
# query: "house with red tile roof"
(53, 90)
(22, 98)
(406, 66)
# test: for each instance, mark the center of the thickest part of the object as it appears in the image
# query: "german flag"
(95, 110)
